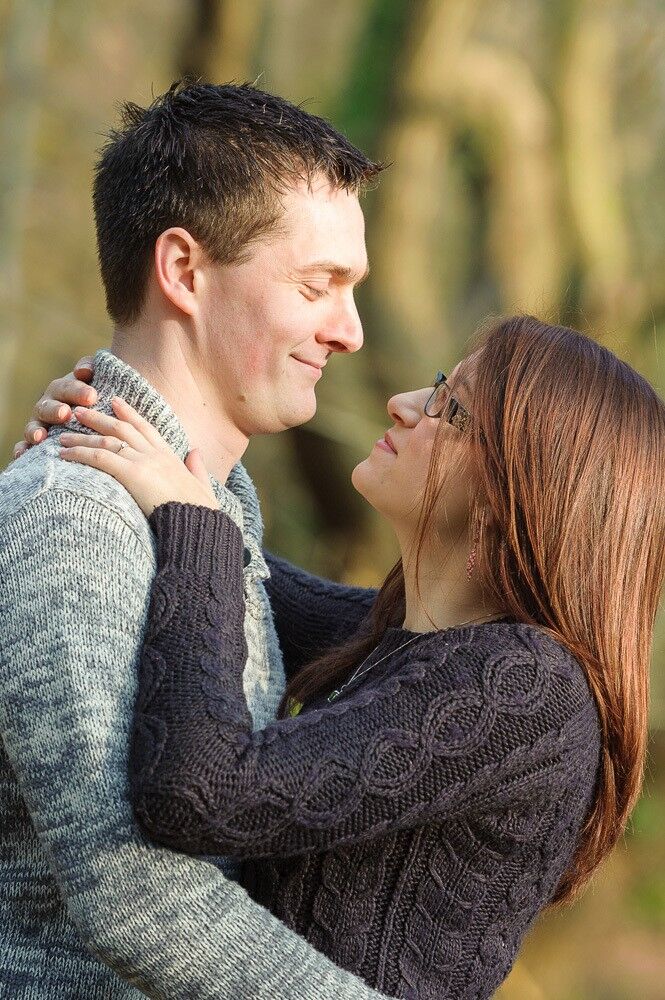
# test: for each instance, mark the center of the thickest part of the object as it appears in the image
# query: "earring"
(471, 561)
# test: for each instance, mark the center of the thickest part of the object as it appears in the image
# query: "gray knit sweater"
(88, 907)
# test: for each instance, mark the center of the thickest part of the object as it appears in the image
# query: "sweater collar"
(113, 377)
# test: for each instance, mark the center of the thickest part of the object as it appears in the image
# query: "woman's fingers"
(111, 427)
(84, 369)
(72, 439)
(19, 449)
(69, 390)
(98, 458)
(55, 406)
(196, 466)
(33, 433)
(127, 413)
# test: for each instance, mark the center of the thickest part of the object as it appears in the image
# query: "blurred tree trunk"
(222, 41)
(410, 248)
(612, 297)
(462, 86)
(23, 50)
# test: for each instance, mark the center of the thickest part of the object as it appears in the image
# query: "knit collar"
(113, 377)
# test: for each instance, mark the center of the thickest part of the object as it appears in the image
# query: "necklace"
(357, 672)
(294, 707)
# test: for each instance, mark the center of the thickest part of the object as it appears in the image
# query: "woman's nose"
(408, 407)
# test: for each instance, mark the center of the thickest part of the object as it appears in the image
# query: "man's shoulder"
(40, 487)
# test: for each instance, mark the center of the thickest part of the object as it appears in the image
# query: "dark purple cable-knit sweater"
(411, 830)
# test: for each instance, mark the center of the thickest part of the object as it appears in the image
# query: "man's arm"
(75, 586)
(312, 615)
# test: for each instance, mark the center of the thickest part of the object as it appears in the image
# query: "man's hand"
(55, 406)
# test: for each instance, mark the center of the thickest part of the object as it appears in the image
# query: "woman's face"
(394, 475)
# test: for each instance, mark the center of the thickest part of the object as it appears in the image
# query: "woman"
(469, 751)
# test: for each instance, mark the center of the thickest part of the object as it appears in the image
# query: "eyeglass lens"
(440, 400)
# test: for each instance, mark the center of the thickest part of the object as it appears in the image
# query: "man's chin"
(294, 415)
(303, 409)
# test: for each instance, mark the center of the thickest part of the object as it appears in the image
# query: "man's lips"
(312, 364)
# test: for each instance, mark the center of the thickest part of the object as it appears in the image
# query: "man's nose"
(407, 408)
(345, 332)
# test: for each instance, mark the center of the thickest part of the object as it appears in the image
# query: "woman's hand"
(54, 407)
(128, 448)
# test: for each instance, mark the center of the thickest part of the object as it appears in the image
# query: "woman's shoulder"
(510, 662)
(517, 686)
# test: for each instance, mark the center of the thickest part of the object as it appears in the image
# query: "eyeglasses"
(442, 404)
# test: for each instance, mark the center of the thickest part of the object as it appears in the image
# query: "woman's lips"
(385, 443)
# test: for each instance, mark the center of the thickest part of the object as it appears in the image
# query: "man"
(230, 241)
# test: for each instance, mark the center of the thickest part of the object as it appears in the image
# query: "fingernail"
(38, 435)
(62, 412)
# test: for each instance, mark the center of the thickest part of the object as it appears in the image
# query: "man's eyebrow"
(338, 271)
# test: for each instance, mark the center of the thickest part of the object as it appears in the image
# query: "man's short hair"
(214, 160)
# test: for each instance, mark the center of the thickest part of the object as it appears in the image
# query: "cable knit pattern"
(411, 830)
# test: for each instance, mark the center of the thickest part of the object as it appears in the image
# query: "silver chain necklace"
(357, 672)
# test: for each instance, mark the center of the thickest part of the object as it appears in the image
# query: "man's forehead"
(323, 231)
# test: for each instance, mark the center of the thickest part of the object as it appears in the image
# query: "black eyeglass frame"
(456, 414)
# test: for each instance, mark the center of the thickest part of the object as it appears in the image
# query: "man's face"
(270, 324)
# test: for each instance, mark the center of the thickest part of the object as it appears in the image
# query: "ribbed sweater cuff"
(196, 538)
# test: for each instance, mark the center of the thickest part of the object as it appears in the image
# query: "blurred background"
(526, 140)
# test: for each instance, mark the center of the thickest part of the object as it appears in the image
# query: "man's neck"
(163, 364)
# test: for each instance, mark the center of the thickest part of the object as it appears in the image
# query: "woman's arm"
(432, 745)
(312, 615)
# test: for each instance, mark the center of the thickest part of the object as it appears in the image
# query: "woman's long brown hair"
(569, 446)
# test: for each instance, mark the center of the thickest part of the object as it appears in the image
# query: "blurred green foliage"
(525, 138)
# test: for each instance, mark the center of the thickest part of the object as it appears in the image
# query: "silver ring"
(123, 444)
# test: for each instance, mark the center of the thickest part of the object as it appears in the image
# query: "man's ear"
(178, 257)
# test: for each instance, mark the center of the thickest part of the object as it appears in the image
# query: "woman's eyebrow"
(460, 381)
